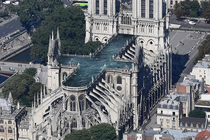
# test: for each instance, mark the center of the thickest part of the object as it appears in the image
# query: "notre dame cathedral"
(124, 97)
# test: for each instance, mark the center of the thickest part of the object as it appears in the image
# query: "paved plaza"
(185, 42)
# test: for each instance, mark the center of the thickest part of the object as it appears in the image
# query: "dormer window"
(191, 124)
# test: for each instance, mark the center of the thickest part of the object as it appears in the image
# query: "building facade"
(202, 70)
(10, 118)
(169, 112)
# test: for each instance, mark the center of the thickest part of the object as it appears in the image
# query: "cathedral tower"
(101, 20)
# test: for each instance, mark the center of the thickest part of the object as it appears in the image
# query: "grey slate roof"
(194, 121)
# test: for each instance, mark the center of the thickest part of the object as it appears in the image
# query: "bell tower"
(101, 20)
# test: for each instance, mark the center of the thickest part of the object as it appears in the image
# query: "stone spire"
(50, 52)
(18, 105)
(49, 47)
(59, 42)
(10, 99)
(52, 36)
(58, 35)
(44, 91)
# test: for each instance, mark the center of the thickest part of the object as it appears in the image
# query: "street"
(185, 25)
(16, 67)
(10, 26)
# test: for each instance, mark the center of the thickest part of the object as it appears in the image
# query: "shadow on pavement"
(178, 65)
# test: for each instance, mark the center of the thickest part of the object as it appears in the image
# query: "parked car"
(12, 69)
(192, 22)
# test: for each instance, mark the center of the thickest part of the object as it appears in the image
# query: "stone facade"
(10, 117)
(146, 18)
(123, 97)
(169, 112)
(202, 70)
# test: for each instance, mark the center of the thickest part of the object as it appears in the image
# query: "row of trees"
(4, 13)
(23, 87)
(203, 49)
(192, 9)
(98, 132)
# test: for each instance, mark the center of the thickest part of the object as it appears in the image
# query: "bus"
(80, 3)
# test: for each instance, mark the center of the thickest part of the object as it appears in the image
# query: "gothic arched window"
(82, 102)
(119, 80)
(74, 123)
(1, 129)
(72, 103)
(9, 129)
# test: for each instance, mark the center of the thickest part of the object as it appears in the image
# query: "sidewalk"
(8, 20)
(15, 49)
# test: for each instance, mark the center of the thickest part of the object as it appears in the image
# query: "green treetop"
(197, 114)
(97, 132)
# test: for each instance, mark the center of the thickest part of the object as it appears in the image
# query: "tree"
(103, 131)
(193, 14)
(22, 87)
(5, 13)
(179, 13)
(83, 134)
(197, 114)
(205, 5)
(30, 71)
(203, 49)
(18, 86)
(194, 7)
(34, 89)
(206, 14)
(187, 8)
(176, 6)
